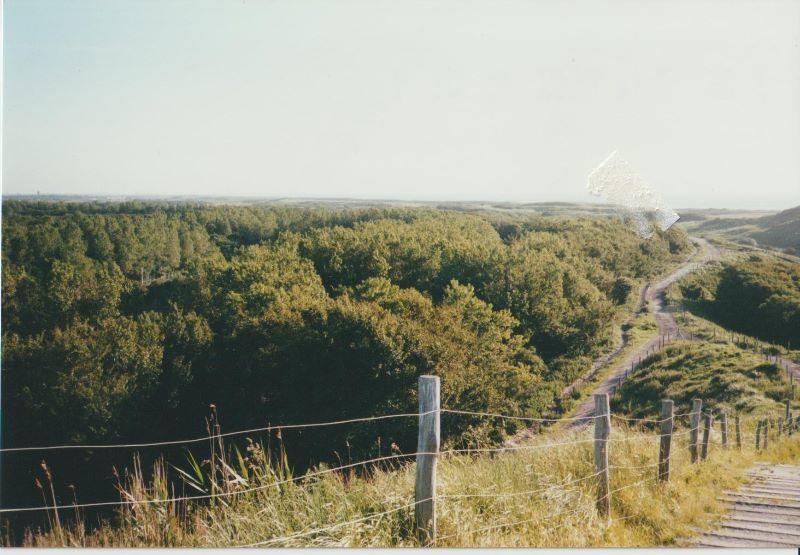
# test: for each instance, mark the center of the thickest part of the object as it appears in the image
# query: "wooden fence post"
(766, 432)
(709, 422)
(723, 425)
(788, 409)
(697, 405)
(738, 433)
(790, 431)
(667, 423)
(602, 430)
(758, 434)
(428, 448)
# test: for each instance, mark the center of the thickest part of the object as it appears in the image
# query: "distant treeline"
(758, 296)
(124, 322)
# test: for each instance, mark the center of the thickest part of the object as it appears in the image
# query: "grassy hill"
(781, 230)
(723, 375)
(777, 231)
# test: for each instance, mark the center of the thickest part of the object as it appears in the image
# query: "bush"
(621, 291)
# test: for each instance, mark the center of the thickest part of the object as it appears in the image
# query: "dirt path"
(667, 327)
(601, 361)
(764, 513)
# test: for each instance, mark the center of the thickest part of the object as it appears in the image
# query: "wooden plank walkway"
(764, 513)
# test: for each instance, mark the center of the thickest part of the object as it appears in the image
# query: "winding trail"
(601, 361)
(667, 327)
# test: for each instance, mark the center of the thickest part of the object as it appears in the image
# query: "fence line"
(331, 470)
(550, 517)
(519, 522)
(465, 450)
(326, 424)
(300, 426)
(428, 453)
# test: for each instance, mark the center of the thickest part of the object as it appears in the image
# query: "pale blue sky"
(414, 100)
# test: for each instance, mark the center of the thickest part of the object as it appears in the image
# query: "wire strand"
(625, 419)
(215, 436)
(510, 417)
(312, 425)
(646, 437)
(519, 493)
(654, 421)
(632, 484)
(626, 467)
(516, 523)
(514, 447)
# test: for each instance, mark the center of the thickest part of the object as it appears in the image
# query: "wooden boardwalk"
(764, 513)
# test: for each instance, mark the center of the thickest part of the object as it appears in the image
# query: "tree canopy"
(125, 321)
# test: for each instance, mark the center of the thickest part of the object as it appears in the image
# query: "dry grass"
(538, 496)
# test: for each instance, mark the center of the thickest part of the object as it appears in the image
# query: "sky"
(433, 100)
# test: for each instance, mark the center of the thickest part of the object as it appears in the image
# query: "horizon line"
(99, 197)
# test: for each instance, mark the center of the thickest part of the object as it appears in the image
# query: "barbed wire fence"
(700, 432)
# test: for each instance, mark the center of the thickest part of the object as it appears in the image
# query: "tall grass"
(542, 495)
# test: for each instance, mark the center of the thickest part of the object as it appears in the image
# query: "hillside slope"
(778, 231)
(781, 230)
(724, 376)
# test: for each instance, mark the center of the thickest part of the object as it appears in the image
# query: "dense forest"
(758, 295)
(126, 321)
